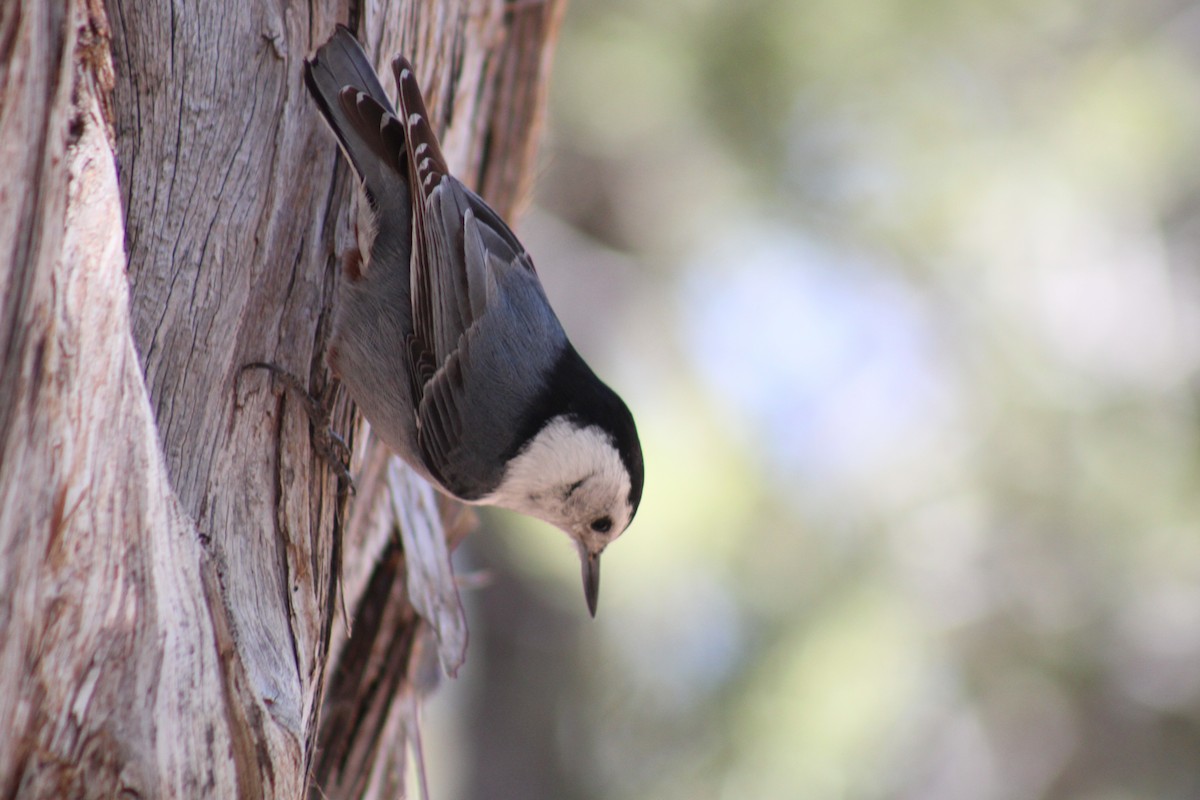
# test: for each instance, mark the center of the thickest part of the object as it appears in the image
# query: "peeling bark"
(170, 544)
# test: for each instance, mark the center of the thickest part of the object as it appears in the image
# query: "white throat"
(567, 475)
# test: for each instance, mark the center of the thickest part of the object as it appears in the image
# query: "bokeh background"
(905, 297)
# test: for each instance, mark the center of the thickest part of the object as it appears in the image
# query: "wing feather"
(463, 355)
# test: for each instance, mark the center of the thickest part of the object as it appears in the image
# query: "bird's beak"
(591, 580)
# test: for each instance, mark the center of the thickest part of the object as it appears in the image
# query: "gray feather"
(363, 120)
(450, 293)
(479, 312)
(494, 323)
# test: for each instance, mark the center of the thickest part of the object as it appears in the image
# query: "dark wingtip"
(399, 64)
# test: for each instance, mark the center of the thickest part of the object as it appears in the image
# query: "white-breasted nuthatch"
(446, 341)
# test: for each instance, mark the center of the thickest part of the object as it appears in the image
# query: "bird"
(444, 337)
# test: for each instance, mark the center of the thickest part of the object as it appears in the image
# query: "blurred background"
(905, 298)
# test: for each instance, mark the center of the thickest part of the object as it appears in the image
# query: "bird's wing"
(452, 255)
(471, 280)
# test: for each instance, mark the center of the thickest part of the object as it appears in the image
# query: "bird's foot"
(326, 441)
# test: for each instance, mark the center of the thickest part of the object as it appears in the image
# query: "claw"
(327, 442)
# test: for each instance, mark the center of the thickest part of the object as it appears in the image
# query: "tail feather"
(348, 93)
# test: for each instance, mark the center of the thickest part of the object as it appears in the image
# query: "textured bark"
(170, 544)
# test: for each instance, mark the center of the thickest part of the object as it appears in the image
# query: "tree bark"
(173, 552)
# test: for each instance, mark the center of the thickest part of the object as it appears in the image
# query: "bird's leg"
(326, 441)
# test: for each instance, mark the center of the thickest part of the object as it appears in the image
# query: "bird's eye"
(602, 525)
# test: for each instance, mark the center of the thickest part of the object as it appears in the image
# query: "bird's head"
(583, 477)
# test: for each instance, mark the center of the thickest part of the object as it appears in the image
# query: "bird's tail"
(346, 89)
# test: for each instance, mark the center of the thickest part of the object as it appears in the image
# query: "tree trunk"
(173, 552)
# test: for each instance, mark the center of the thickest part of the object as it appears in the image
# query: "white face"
(574, 479)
